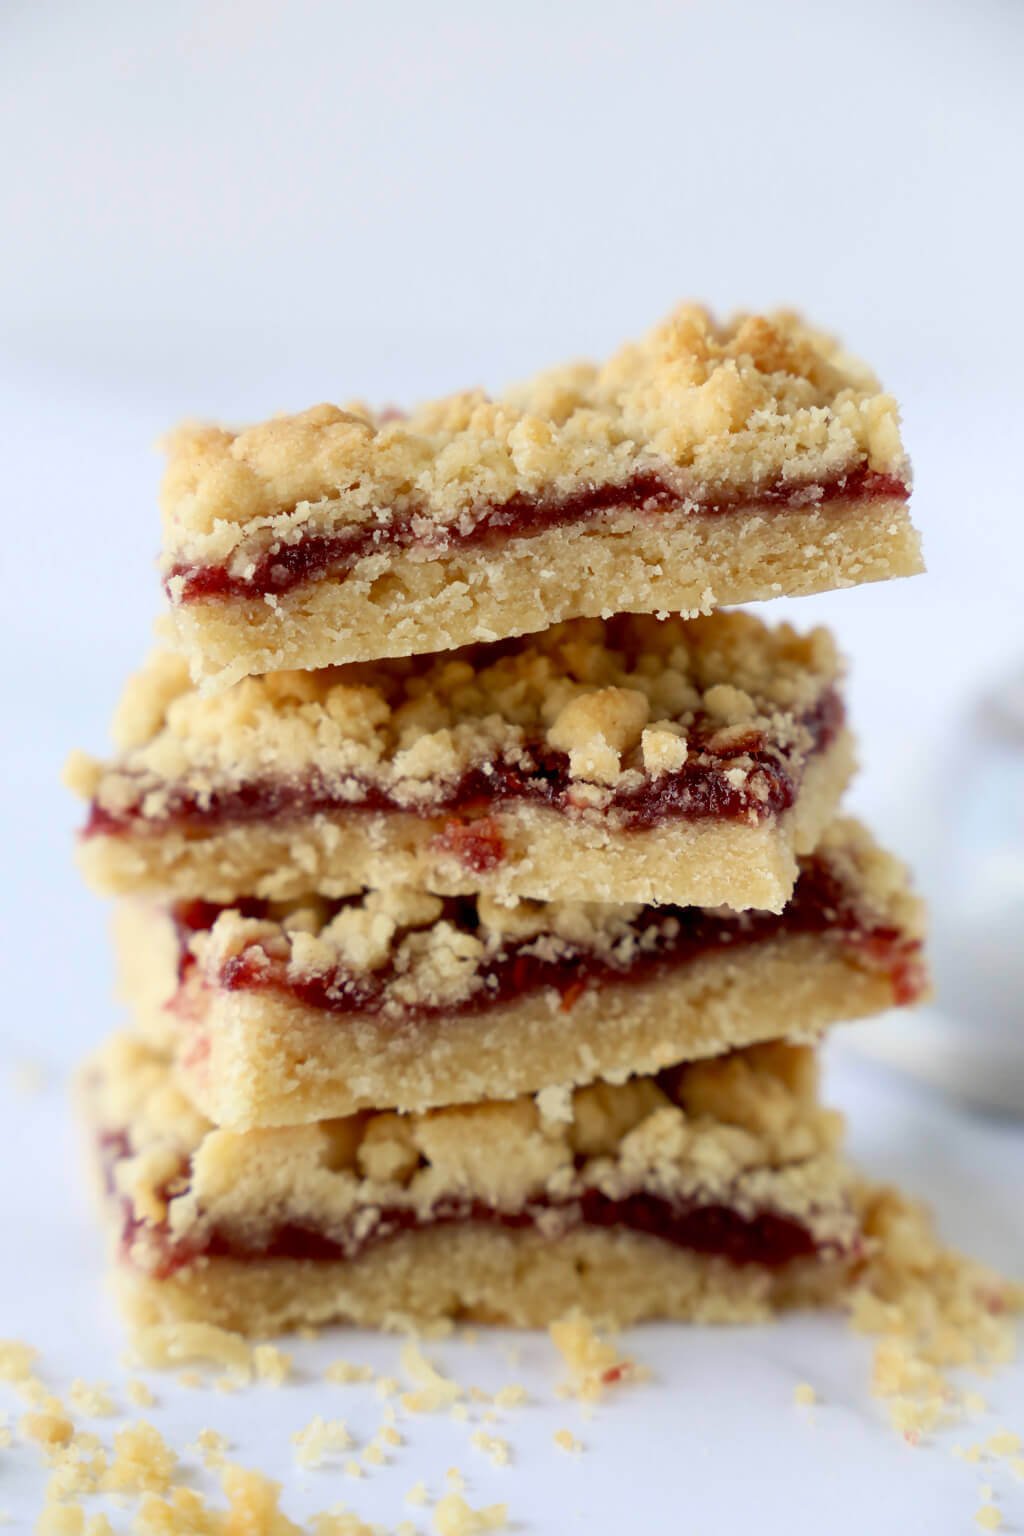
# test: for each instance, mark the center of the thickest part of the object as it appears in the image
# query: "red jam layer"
(662, 939)
(765, 1237)
(540, 776)
(314, 556)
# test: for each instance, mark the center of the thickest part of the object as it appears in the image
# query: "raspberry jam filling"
(658, 940)
(765, 1237)
(539, 775)
(314, 556)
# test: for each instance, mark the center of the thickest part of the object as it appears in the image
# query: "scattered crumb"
(271, 1364)
(454, 1478)
(190, 1379)
(434, 1391)
(988, 1517)
(390, 1435)
(98, 1525)
(454, 1517)
(16, 1360)
(78, 1467)
(417, 1494)
(142, 1461)
(986, 1492)
(320, 1438)
(138, 1393)
(804, 1394)
(510, 1397)
(387, 1386)
(566, 1440)
(95, 1402)
(46, 1428)
(212, 1447)
(493, 1446)
(352, 1468)
(594, 1363)
(342, 1372)
(374, 1456)
(167, 1344)
(61, 1520)
(975, 1404)
(459, 1412)
(1017, 1467)
(1003, 1443)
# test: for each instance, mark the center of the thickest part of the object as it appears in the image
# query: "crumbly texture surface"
(746, 1130)
(715, 412)
(263, 1056)
(622, 708)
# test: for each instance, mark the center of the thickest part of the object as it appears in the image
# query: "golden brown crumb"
(142, 1462)
(320, 1438)
(79, 1467)
(140, 1394)
(594, 1363)
(566, 1440)
(167, 1344)
(46, 1428)
(454, 1517)
(1003, 1443)
(387, 1386)
(390, 1435)
(61, 1520)
(16, 1360)
(374, 1456)
(417, 1494)
(493, 1446)
(212, 1447)
(342, 1372)
(988, 1517)
(434, 1391)
(512, 1396)
(352, 1468)
(271, 1364)
(804, 1394)
(93, 1401)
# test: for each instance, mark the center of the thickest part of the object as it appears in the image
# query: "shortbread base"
(402, 604)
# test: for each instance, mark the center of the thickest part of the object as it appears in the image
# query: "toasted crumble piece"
(1005, 1442)
(46, 1427)
(139, 1394)
(434, 1392)
(94, 1401)
(594, 1362)
(61, 1520)
(517, 769)
(512, 1396)
(319, 1439)
(142, 1461)
(417, 1494)
(162, 1345)
(497, 1450)
(567, 1441)
(271, 1364)
(988, 1517)
(352, 1468)
(16, 1360)
(345, 1372)
(704, 465)
(213, 1448)
(79, 1467)
(454, 1517)
(271, 1023)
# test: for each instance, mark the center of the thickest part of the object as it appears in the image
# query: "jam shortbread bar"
(704, 465)
(688, 761)
(403, 1000)
(711, 1192)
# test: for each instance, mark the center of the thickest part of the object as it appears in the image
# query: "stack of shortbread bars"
(479, 914)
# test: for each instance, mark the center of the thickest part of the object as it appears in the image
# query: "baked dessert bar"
(704, 465)
(405, 1000)
(618, 760)
(713, 1192)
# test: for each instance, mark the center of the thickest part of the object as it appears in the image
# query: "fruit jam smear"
(659, 940)
(539, 775)
(769, 1238)
(315, 556)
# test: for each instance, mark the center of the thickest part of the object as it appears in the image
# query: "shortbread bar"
(630, 759)
(704, 465)
(711, 1192)
(402, 1000)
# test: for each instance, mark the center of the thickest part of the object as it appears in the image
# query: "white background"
(225, 209)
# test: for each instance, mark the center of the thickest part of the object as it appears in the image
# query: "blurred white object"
(972, 1039)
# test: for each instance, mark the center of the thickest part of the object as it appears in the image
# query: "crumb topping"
(745, 1129)
(625, 700)
(707, 408)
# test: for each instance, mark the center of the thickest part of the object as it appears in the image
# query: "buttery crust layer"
(285, 1020)
(629, 760)
(702, 465)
